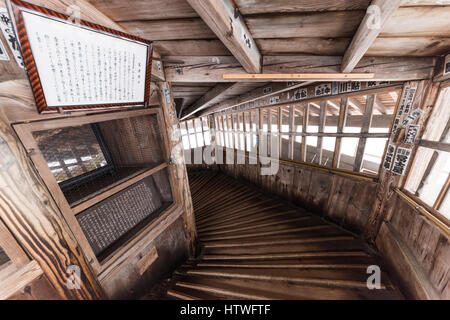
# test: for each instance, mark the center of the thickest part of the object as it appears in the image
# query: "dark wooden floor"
(256, 246)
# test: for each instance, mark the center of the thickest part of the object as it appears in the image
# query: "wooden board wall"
(417, 251)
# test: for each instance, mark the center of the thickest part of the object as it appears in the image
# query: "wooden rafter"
(207, 100)
(225, 21)
(377, 15)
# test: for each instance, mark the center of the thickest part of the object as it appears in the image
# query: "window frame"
(306, 105)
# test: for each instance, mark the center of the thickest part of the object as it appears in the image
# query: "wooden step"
(261, 290)
(290, 255)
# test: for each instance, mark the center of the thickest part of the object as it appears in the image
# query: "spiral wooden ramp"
(256, 246)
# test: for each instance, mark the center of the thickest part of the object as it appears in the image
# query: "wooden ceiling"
(418, 28)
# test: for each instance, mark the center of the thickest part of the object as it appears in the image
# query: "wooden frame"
(17, 7)
(24, 131)
(438, 144)
(20, 270)
(366, 118)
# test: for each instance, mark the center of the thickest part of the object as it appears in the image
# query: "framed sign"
(79, 66)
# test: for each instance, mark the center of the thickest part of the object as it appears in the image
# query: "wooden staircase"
(256, 246)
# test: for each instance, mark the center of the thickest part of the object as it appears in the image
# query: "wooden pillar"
(425, 99)
(342, 121)
(322, 119)
(31, 215)
(367, 121)
(183, 191)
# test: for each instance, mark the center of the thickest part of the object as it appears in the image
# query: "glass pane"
(200, 140)
(432, 185)
(190, 125)
(70, 152)
(373, 154)
(440, 117)
(383, 111)
(349, 147)
(185, 142)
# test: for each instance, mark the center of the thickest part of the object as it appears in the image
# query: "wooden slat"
(208, 99)
(367, 121)
(338, 24)
(322, 119)
(368, 32)
(341, 124)
(270, 6)
(221, 17)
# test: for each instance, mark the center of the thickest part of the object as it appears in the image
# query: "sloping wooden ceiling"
(419, 28)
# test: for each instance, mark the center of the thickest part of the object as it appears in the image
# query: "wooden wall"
(417, 251)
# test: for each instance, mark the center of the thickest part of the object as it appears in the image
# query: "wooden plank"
(409, 47)
(203, 47)
(207, 100)
(429, 21)
(368, 31)
(302, 76)
(307, 46)
(221, 17)
(338, 24)
(270, 6)
(177, 29)
(119, 10)
(367, 121)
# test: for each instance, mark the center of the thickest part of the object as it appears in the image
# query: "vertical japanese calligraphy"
(8, 31)
(84, 67)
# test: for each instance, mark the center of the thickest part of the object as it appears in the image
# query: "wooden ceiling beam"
(377, 15)
(212, 68)
(208, 99)
(225, 21)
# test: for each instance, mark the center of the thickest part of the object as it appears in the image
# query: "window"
(108, 171)
(347, 133)
(74, 154)
(195, 133)
(429, 178)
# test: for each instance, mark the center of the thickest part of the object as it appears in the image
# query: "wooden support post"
(367, 121)
(304, 149)
(322, 119)
(341, 124)
(425, 99)
(30, 213)
(291, 130)
(183, 193)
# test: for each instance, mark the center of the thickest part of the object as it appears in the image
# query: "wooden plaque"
(80, 65)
